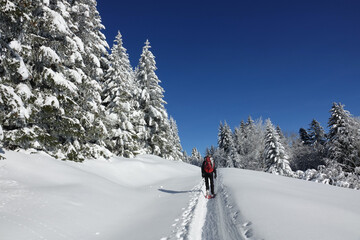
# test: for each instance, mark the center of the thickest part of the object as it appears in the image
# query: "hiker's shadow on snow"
(176, 192)
(2, 151)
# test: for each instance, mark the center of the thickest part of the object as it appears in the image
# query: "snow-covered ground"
(152, 198)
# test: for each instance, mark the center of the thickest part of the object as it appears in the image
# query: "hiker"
(208, 171)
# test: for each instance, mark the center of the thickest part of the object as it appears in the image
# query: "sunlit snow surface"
(152, 198)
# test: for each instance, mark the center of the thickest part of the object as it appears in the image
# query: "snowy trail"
(198, 220)
(223, 220)
(189, 226)
(209, 219)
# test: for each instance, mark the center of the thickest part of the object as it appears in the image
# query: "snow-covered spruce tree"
(155, 128)
(249, 141)
(41, 44)
(177, 150)
(357, 144)
(304, 136)
(87, 28)
(61, 111)
(281, 134)
(284, 141)
(14, 73)
(343, 138)
(220, 158)
(210, 151)
(240, 139)
(195, 158)
(318, 140)
(185, 157)
(226, 143)
(255, 160)
(308, 152)
(119, 100)
(274, 154)
(316, 133)
(304, 156)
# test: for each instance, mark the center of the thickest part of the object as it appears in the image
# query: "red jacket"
(203, 172)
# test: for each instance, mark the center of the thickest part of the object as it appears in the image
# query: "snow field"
(45, 198)
(287, 208)
(152, 198)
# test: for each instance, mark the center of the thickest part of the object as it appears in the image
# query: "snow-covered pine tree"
(304, 136)
(343, 137)
(280, 133)
(53, 89)
(185, 157)
(240, 139)
(316, 133)
(210, 151)
(156, 125)
(226, 143)
(308, 150)
(284, 141)
(357, 144)
(249, 143)
(45, 88)
(274, 154)
(195, 158)
(305, 157)
(249, 138)
(87, 27)
(119, 100)
(14, 72)
(177, 150)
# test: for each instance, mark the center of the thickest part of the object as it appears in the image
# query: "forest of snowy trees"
(332, 158)
(62, 92)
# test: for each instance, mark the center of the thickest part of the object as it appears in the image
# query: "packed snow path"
(209, 219)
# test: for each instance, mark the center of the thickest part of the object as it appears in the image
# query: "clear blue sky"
(224, 60)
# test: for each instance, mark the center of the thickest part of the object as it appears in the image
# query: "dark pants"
(209, 176)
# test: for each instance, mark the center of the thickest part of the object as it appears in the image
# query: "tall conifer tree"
(176, 148)
(156, 123)
(275, 156)
(119, 100)
(56, 87)
(226, 144)
(316, 133)
(343, 138)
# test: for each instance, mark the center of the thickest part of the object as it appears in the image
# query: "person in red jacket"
(208, 171)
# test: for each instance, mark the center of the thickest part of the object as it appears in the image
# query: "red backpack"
(208, 166)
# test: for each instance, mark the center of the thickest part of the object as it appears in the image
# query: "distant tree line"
(62, 92)
(331, 158)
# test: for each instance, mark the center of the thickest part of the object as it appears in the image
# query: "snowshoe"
(209, 196)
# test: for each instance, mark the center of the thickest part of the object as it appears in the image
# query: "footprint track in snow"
(222, 221)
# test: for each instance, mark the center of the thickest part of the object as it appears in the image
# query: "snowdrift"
(152, 198)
